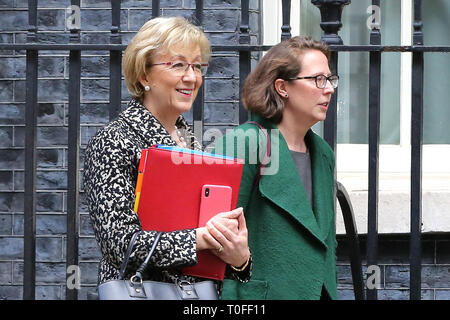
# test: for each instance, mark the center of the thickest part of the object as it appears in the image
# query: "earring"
(286, 95)
(147, 88)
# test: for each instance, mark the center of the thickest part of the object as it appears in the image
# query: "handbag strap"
(266, 158)
(124, 265)
(143, 266)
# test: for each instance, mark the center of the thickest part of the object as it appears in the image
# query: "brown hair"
(280, 62)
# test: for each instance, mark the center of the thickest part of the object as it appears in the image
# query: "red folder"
(171, 190)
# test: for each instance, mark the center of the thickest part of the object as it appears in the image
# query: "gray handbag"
(137, 289)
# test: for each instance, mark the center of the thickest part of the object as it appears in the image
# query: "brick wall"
(221, 23)
(393, 260)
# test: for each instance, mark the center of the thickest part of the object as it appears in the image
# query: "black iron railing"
(331, 23)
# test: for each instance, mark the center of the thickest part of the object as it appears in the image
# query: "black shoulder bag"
(137, 289)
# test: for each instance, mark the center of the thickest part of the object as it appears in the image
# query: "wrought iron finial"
(331, 13)
(115, 36)
(244, 28)
(286, 27)
(417, 25)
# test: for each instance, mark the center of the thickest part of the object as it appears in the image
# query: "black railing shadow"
(352, 240)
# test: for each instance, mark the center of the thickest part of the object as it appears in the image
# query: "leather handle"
(124, 265)
(143, 266)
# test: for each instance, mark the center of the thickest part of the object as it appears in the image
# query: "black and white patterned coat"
(110, 174)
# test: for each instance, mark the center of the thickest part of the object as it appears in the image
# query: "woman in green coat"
(289, 204)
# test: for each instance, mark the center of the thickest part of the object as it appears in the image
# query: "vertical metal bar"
(73, 153)
(244, 56)
(115, 64)
(29, 237)
(352, 240)
(198, 107)
(286, 27)
(331, 14)
(199, 12)
(415, 254)
(374, 141)
(155, 8)
(244, 71)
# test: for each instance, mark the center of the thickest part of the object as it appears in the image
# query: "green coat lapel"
(285, 189)
(323, 183)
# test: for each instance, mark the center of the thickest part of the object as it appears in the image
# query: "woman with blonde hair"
(163, 67)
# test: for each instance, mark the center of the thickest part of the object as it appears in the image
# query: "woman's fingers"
(242, 225)
(211, 241)
(235, 246)
(229, 219)
(233, 214)
(220, 232)
(230, 236)
(231, 224)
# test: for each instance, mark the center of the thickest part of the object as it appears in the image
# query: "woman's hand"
(228, 239)
(228, 218)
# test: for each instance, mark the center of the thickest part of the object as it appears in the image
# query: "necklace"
(179, 139)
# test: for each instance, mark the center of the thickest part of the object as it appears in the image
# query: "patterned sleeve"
(109, 179)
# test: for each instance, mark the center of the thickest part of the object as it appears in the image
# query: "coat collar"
(284, 187)
(146, 125)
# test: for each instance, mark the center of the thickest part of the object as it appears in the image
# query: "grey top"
(303, 163)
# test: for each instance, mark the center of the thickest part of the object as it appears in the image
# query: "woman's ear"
(144, 80)
(280, 87)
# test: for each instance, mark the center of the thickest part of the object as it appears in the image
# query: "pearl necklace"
(179, 138)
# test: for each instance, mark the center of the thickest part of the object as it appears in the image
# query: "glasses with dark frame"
(179, 68)
(321, 80)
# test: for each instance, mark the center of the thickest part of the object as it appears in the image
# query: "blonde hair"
(158, 36)
(280, 62)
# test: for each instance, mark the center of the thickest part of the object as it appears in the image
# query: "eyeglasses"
(180, 68)
(321, 80)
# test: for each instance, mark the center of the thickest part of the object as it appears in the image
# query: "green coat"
(293, 245)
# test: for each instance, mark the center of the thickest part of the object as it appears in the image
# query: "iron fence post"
(415, 253)
(286, 27)
(331, 13)
(244, 56)
(374, 142)
(73, 165)
(31, 111)
(155, 8)
(198, 107)
(115, 64)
